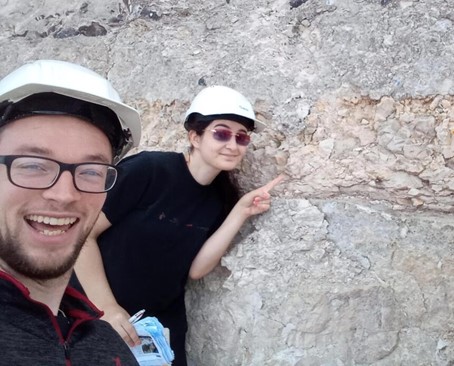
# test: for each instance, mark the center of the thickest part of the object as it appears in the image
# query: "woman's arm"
(90, 273)
(252, 203)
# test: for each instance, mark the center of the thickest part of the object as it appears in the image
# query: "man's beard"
(12, 253)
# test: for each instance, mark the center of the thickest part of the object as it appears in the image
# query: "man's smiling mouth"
(50, 226)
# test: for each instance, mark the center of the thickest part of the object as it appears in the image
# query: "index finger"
(270, 185)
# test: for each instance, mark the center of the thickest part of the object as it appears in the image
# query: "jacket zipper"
(67, 355)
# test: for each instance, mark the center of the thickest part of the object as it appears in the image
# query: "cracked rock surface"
(354, 263)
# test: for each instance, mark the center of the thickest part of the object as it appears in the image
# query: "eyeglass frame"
(232, 134)
(8, 160)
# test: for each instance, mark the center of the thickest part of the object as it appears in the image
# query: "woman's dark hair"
(225, 181)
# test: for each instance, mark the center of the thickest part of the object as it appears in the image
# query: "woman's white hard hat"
(75, 81)
(220, 100)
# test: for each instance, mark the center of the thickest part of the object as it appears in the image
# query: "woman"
(171, 216)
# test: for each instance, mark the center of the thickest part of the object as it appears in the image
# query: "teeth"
(52, 233)
(52, 220)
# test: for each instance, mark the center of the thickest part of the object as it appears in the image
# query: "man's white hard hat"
(222, 100)
(75, 81)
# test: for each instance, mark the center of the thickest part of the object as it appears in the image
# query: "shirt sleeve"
(135, 178)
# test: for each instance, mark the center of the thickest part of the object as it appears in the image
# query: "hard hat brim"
(129, 117)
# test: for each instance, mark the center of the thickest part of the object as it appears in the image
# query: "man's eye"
(31, 167)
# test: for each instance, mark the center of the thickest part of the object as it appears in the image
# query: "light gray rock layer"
(353, 265)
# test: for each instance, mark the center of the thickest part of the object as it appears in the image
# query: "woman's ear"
(194, 139)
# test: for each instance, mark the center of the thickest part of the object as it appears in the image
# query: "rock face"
(354, 263)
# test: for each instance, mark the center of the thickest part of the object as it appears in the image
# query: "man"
(61, 128)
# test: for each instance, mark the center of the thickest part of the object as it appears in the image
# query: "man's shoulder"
(153, 155)
(98, 341)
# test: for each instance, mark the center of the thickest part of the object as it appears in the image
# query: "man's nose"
(64, 189)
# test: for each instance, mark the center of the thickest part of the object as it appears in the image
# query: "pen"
(136, 316)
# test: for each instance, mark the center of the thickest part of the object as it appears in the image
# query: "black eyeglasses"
(34, 172)
(224, 135)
